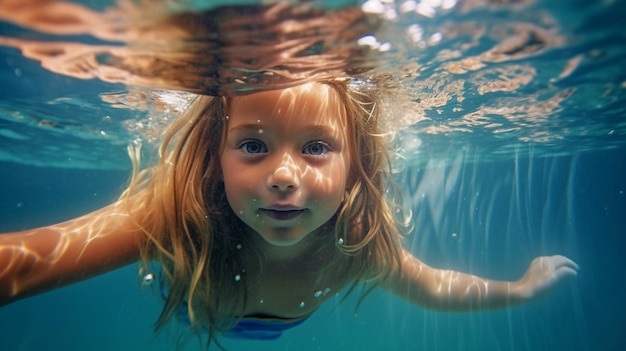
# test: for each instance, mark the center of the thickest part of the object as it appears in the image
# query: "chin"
(282, 242)
(282, 239)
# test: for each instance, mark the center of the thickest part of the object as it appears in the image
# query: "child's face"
(285, 161)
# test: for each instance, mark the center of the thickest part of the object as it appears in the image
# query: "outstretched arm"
(37, 260)
(455, 291)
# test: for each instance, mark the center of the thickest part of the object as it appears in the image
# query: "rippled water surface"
(500, 76)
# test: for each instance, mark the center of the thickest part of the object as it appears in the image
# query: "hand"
(544, 273)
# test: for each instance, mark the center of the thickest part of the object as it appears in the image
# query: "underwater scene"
(508, 121)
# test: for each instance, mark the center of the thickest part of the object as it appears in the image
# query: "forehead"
(312, 103)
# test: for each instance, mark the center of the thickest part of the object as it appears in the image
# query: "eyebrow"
(314, 128)
(250, 126)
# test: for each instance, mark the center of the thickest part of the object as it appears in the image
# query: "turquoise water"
(495, 174)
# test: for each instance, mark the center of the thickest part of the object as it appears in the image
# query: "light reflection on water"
(494, 75)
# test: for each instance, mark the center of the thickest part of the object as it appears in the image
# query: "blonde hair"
(192, 232)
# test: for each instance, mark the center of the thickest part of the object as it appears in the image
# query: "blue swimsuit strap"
(262, 328)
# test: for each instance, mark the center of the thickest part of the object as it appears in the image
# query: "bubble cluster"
(320, 293)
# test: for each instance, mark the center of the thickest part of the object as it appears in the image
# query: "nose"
(286, 175)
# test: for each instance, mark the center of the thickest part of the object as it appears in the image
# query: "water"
(510, 123)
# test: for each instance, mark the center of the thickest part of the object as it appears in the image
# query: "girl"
(259, 206)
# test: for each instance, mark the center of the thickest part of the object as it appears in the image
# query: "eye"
(316, 148)
(253, 147)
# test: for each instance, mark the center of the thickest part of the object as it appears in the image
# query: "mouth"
(282, 214)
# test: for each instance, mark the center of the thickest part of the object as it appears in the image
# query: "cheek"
(238, 201)
(235, 189)
(332, 183)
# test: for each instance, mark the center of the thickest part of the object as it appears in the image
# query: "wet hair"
(180, 204)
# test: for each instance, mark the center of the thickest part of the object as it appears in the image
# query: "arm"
(37, 260)
(455, 291)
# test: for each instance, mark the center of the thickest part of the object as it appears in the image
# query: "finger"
(565, 272)
(562, 261)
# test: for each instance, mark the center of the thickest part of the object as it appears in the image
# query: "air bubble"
(318, 293)
(340, 241)
(147, 280)
(302, 304)
(237, 277)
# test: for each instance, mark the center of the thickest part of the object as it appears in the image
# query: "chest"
(295, 289)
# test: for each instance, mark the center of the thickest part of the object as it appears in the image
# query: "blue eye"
(253, 147)
(316, 148)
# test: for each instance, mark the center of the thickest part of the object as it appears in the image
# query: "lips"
(282, 214)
